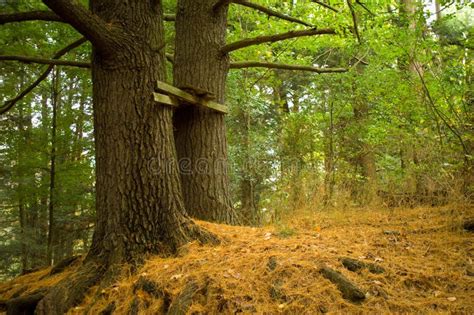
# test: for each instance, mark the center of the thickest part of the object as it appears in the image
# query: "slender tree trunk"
(365, 157)
(247, 187)
(139, 205)
(200, 133)
(414, 184)
(52, 169)
(329, 160)
(25, 185)
(437, 10)
(42, 231)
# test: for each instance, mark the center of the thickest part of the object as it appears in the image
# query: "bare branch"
(29, 16)
(327, 6)
(9, 104)
(361, 61)
(45, 61)
(104, 36)
(354, 20)
(365, 7)
(274, 38)
(438, 112)
(270, 12)
(258, 64)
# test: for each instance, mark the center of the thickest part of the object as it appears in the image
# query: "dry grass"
(426, 266)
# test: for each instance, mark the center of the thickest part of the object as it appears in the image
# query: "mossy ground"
(427, 257)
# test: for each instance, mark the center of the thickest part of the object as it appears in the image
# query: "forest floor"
(426, 255)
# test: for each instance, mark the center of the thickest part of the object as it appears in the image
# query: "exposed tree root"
(63, 264)
(356, 265)
(348, 289)
(104, 270)
(469, 225)
(71, 291)
(182, 302)
(24, 304)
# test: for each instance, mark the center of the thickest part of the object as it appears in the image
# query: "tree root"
(71, 291)
(183, 301)
(21, 305)
(202, 235)
(348, 289)
(356, 265)
(103, 268)
(63, 264)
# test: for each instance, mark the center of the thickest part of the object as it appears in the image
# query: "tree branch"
(45, 61)
(103, 36)
(274, 38)
(438, 113)
(9, 104)
(29, 16)
(354, 20)
(219, 4)
(258, 64)
(327, 6)
(270, 12)
(365, 7)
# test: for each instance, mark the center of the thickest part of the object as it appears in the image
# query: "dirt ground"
(426, 255)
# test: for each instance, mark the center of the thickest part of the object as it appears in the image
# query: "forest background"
(388, 122)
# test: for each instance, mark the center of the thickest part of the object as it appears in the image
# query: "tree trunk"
(249, 209)
(139, 205)
(52, 169)
(200, 134)
(21, 189)
(329, 159)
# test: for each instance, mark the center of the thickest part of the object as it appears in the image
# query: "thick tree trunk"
(200, 133)
(138, 194)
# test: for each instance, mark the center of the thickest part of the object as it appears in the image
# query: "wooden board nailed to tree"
(173, 95)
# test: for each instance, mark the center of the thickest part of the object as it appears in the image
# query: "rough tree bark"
(201, 68)
(138, 193)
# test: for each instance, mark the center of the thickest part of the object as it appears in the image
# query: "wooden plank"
(215, 106)
(188, 97)
(165, 99)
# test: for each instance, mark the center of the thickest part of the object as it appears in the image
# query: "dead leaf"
(177, 276)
